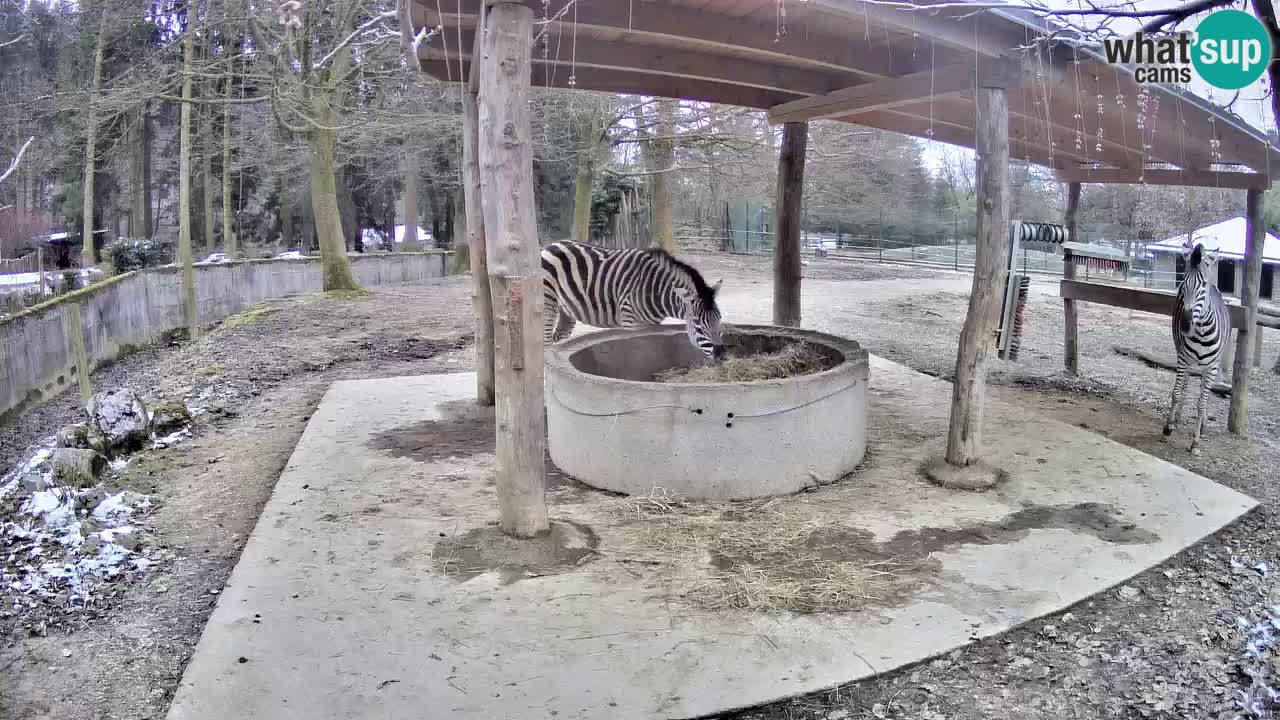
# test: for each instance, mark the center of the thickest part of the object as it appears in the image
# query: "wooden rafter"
(1163, 176)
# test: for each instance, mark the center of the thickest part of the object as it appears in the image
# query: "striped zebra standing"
(626, 288)
(1201, 327)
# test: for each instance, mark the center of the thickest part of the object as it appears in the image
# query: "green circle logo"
(1232, 49)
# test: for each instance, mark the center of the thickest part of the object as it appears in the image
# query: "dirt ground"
(1167, 645)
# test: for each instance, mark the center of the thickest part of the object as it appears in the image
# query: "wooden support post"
(1070, 343)
(1238, 418)
(75, 342)
(1257, 346)
(40, 271)
(481, 298)
(989, 276)
(786, 250)
(515, 275)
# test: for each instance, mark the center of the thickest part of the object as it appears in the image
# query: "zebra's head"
(1200, 263)
(702, 318)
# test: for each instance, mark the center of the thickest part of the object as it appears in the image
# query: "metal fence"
(956, 256)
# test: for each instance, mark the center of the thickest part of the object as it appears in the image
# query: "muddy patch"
(465, 430)
(485, 549)
(468, 430)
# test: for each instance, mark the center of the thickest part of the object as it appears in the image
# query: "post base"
(974, 478)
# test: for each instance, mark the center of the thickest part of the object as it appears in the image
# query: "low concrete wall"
(609, 426)
(134, 309)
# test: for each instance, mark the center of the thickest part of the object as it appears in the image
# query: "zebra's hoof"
(1194, 450)
(1164, 435)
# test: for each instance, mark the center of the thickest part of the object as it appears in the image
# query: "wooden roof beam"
(897, 91)
(693, 64)
(691, 28)
(639, 83)
(1164, 176)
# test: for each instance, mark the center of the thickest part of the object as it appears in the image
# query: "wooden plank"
(1220, 388)
(637, 83)
(1238, 416)
(670, 25)
(515, 277)
(1159, 302)
(895, 92)
(990, 269)
(1070, 341)
(786, 250)
(72, 325)
(481, 296)
(630, 57)
(1162, 176)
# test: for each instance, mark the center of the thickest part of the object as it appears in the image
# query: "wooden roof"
(903, 70)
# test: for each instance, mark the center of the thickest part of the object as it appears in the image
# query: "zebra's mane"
(691, 276)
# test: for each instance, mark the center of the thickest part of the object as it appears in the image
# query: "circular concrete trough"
(610, 426)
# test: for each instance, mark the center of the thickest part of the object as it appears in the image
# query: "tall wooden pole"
(1238, 417)
(481, 298)
(990, 273)
(515, 277)
(786, 247)
(1070, 346)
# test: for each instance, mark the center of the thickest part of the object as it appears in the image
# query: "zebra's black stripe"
(625, 288)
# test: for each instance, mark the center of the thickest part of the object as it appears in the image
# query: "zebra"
(1201, 327)
(626, 288)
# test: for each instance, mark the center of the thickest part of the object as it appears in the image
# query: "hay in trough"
(800, 358)
(758, 557)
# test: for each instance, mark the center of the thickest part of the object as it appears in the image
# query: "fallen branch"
(1219, 388)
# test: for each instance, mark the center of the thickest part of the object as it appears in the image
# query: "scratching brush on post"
(1015, 339)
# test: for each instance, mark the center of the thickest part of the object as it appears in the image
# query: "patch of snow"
(49, 556)
(171, 439)
(9, 482)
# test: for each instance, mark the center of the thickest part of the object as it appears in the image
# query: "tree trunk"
(87, 254)
(152, 208)
(585, 129)
(184, 194)
(229, 243)
(1070, 348)
(1238, 415)
(515, 278)
(409, 202)
(206, 180)
(324, 197)
(661, 158)
(481, 297)
(786, 250)
(139, 213)
(989, 276)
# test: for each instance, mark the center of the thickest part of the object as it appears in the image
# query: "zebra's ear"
(716, 288)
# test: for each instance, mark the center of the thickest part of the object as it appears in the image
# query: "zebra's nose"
(719, 351)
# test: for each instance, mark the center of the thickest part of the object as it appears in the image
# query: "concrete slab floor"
(355, 597)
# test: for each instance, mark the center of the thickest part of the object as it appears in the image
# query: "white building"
(1228, 240)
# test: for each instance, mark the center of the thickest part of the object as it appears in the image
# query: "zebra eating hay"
(626, 288)
(1201, 325)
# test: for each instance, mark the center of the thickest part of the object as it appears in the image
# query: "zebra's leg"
(550, 311)
(1175, 403)
(564, 326)
(1207, 377)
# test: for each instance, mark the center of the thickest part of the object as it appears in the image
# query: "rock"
(168, 416)
(78, 467)
(121, 418)
(34, 482)
(75, 435)
(1128, 592)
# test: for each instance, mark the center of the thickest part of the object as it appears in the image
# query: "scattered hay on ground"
(762, 558)
(254, 313)
(799, 358)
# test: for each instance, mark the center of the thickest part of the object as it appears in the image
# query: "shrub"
(137, 253)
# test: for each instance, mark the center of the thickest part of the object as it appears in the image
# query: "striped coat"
(626, 288)
(1201, 328)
